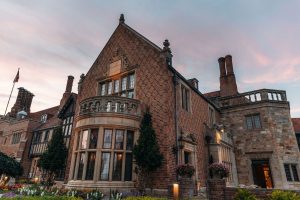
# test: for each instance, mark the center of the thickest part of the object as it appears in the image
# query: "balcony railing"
(110, 104)
(263, 95)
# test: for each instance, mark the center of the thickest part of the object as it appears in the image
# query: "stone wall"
(275, 141)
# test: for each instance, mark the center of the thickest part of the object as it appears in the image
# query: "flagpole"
(15, 80)
(9, 97)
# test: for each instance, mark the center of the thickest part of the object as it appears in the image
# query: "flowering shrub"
(185, 170)
(115, 195)
(94, 195)
(219, 169)
(10, 187)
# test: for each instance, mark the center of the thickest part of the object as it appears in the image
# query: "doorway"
(262, 176)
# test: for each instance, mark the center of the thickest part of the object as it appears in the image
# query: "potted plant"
(185, 170)
(219, 170)
(186, 184)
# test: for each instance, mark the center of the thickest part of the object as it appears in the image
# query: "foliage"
(115, 195)
(146, 152)
(43, 198)
(9, 166)
(144, 198)
(243, 194)
(54, 158)
(220, 169)
(185, 170)
(94, 195)
(284, 195)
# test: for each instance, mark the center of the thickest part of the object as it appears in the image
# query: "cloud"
(51, 40)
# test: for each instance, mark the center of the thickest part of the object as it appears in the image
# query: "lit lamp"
(175, 191)
(36, 179)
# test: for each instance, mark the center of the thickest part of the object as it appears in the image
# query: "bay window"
(110, 148)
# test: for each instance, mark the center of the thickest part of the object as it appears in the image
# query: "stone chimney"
(228, 86)
(68, 90)
(23, 102)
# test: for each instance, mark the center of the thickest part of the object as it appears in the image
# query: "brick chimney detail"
(68, 90)
(23, 102)
(228, 86)
(221, 61)
(69, 84)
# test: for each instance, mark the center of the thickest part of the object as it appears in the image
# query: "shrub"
(10, 166)
(243, 194)
(144, 198)
(94, 195)
(185, 170)
(284, 195)
(220, 169)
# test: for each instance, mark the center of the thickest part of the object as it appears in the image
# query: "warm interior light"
(36, 179)
(218, 137)
(175, 191)
(119, 156)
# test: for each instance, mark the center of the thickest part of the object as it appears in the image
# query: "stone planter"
(186, 187)
(216, 175)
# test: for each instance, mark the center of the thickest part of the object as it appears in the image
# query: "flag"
(17, 77)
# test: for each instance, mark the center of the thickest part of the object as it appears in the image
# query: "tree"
(146, 152)
(9, 167)
(54, 158)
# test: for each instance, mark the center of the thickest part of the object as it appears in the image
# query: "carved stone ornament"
(117, 63)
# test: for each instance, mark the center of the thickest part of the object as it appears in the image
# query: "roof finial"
(167, 45)
(122, 19)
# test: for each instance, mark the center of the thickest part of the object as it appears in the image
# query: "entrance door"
(262, 174)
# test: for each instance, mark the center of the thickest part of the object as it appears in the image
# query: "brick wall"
(154, 88)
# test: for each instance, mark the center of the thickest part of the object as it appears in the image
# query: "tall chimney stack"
(69, 84)
(228, 86)
(23, 102)
(68, 90)
(221, 61)
(229, 66)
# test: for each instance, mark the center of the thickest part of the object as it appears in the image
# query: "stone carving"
(110, 104)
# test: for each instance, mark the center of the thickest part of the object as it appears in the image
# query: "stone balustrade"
(256, 96)
(110, 104)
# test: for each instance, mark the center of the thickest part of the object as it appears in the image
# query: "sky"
(49, 40)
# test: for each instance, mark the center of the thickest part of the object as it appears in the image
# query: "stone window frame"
(253, 126)
(211, 116)
(294, 175)
(16, 137)
(44, 118)
(188, 106)
(119, 78)
(67, 126)
(99, 150)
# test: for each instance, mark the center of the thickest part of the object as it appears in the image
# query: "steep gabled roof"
(156, 48)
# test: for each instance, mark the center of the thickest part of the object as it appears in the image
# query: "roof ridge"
(142, 37)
